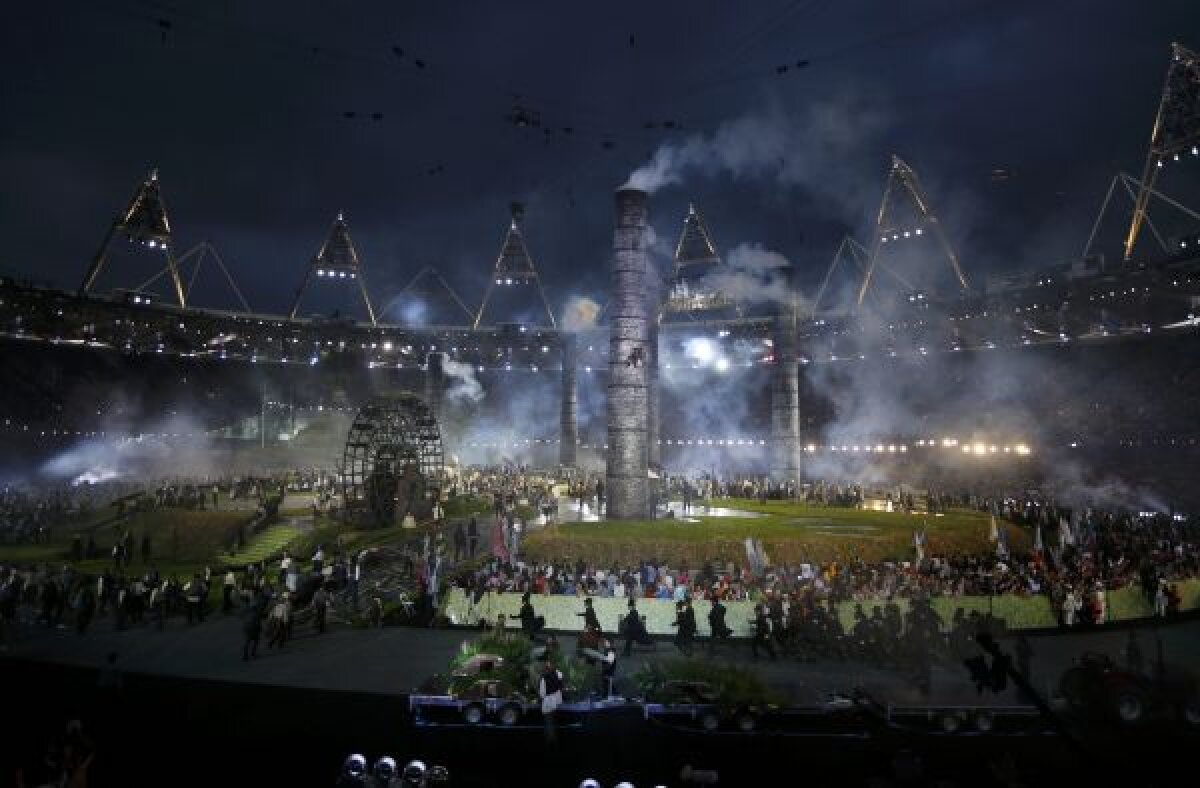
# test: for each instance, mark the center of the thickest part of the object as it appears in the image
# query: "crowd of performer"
(1079, 557)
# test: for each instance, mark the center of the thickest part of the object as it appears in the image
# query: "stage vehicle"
(1096, 686)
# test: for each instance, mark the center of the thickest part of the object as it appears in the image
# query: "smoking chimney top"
(631, 207)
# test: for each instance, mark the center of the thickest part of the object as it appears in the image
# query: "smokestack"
(568, 425)
(653, 422)
(435, 382)
(785, 401)
(628, 355)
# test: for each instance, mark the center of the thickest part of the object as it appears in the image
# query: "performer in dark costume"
(634, 630)
(762, 634)
(716, 623)
(531, 623)
(685, 620)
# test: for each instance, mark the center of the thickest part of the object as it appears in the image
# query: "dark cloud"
(243, 107)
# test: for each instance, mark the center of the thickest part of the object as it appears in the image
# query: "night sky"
(242, 106)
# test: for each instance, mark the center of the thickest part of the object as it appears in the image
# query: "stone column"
(625, 490)
(653, 422)
(785, 404)
(435, 382)
(568, 423)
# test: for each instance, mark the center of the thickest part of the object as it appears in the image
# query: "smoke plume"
(464, 387)
(791, 148)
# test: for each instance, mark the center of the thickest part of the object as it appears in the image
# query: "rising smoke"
(463, 387)
(806, 148)
(752, 275)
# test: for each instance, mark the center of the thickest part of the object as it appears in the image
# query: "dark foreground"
(159, 731)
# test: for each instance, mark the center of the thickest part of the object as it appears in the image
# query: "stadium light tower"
(337, 260)
(902, 182)
(1176, 131)
(514, 266)
(143, 222)
(696, 259)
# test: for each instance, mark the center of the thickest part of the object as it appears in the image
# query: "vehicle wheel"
(509, 716)
(709, 721)
(984, 721)
(746, 721)
(1129, 704)
(951, 723)
(473, 714)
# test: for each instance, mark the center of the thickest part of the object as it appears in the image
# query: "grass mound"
(790, 532)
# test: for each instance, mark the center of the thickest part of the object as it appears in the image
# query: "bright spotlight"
(722, 364)
(700, 349)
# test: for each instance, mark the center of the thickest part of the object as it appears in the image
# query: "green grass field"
(790, 533)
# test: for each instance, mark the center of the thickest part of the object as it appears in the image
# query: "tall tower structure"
(514, 268)
(785, 401)
(1176, 131)
(902, 184)
(629, 327)
(568, 433)
(337, 261)
(143, 222)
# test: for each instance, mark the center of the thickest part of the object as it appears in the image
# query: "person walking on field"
(281, 613)
(460, 542)
(252, 631)
(320, 603)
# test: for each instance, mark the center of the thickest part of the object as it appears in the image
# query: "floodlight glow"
(700, 349)
(722, 364)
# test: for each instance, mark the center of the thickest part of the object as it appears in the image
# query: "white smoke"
(794, 149)
(580, 314)
(464, 387)
(175, 446)
(752, 274)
